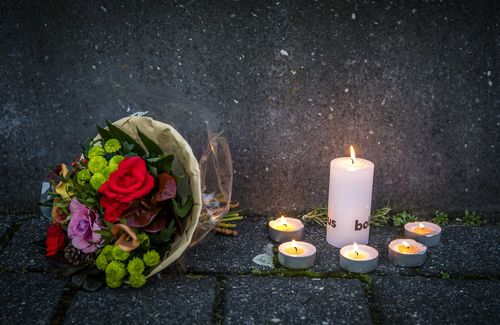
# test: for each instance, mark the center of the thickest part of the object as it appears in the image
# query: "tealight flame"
(294, 244)
(421, 225)
(353, 155)
(406, 244)
(355, 246)
(283, 221)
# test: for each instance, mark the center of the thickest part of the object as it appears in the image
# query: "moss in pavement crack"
(219, 300)
(9, 235)
(63, 304)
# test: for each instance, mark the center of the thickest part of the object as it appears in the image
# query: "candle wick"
(356, 253)
(296, 250)
(352, 160)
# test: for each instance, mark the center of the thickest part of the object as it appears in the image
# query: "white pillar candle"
(349, 200)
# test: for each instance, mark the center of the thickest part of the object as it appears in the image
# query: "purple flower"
(82, 226)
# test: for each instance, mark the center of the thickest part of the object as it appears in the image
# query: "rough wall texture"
(412, 84)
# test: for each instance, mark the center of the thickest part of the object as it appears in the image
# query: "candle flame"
(283, 221)
(421, 225)
(406, 244)
(353, 155)
(355, 246)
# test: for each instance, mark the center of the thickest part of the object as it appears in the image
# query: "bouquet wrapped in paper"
(129, 205)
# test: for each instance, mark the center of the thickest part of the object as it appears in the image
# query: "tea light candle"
(358, 258)
(426, 233)
(285, 229)
(296, 255)
(407, 252)
(349, 200)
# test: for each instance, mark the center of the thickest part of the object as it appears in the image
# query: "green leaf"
(64, 269)
(156, 159)
(183, 210)
(60, 204)
(124, 137)
(153, 171)
(105, 134)
(165, 165)
(127, 147)
(165, 234)
(78, 279)
(40, 243)
(92, 282)
(105, 233)
(109, 225)
(151, 146)
(183, 188)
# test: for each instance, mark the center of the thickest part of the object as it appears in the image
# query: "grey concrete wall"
(412, 84)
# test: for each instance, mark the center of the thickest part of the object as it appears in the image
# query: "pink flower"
(82, 226)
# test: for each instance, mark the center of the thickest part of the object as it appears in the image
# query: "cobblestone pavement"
(217, 282)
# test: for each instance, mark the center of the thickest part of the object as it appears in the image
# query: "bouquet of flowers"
(125, 208)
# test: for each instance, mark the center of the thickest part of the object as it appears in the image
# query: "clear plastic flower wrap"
(216, 169)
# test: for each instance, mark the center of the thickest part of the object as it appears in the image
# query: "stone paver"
(400, 295)
(4, 227)
(328, 256)
(463, 251)
(418, 300)
(230, 254)
(264, 300)
(29, 298)
(171, 300)
(21, 252)
(7, 220)
(466, 251)
(234, 254)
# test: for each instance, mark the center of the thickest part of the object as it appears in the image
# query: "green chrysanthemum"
(97, 180)
(101, 262)
(112, 146)
(151, 258)
(95, 152)
(143, 238)
(116, 160)
(83, 175)
(137, 280)
(135, 266)
(112, 283)
(119, 254)
(108, 170)
(97, 164)
(115, 272)
(107, 252)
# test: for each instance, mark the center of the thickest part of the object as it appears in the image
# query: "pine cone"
(76, 257)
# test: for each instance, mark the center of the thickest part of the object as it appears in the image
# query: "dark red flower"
(55, 240)
(129, 182)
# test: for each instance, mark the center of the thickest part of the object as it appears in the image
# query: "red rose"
(55, 240)
(129, 182)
